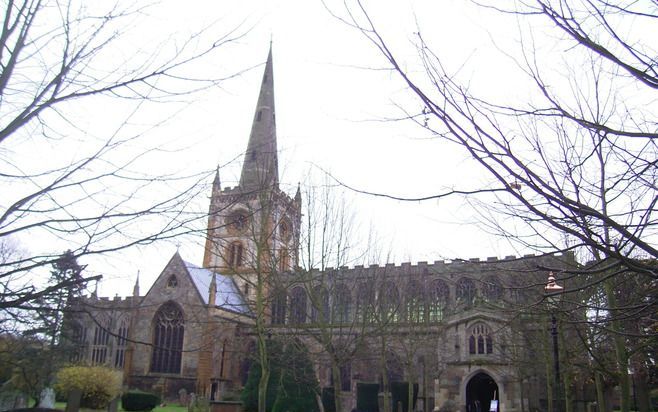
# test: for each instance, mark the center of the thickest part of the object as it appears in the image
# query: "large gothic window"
(465, 291)
(342, 304)
(389, 302)
(364, 299)
(415, 302)
(168, 331)
(101, 341)
(320, 305)
(121, 342)
(439, 296)
(279, 307)
(491, 289)
(298, 305)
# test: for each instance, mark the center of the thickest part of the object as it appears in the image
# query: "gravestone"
(73, 402)
(11, 400)
(47, 398)
(113, 406)
(182, 397)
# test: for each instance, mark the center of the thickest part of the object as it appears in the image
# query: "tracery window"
(480, 340)
(342, 304)
(465, 291)
(121, 343)
(364, 298)
(320, 305)
(415, 302)
(389, 302)
(297, 305)
(101, 340)
(491, 289)
(172, 282)
(168, 332)
(279, 307)
(235, 255)
(439, 296)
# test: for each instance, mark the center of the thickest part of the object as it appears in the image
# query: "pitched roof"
(228, 296)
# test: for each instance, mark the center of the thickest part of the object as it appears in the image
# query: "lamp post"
(553, 291)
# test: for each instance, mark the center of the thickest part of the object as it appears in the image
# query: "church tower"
(253, 228)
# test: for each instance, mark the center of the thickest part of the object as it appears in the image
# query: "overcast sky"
(332, 102)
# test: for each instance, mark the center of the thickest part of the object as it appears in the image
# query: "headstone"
(113, 406)
(47, 398)
(20, 401)
(182, 397)
(191, 400)
(73, 402)
(8, 400)
(200, 404)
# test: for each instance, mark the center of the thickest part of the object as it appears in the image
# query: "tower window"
(284, 260)
(259, 115)
(235, 254)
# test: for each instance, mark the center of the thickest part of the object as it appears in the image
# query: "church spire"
(260, 168)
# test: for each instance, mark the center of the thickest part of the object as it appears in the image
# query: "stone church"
(458, 329)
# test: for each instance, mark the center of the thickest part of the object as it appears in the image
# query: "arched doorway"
(480, 391)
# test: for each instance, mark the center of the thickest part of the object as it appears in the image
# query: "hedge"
(139, 401)
(367, 397)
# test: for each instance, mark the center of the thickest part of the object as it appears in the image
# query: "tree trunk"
(600, 393)
(621, 354)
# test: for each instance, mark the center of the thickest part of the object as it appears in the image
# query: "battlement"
(457, 265)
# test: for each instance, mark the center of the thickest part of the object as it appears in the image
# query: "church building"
(460, 329)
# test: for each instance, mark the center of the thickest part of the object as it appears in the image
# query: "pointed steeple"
(260, 169)
(298, 195)
(216, 184)
(136, 287)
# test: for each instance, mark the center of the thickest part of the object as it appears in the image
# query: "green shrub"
(98, 384)
(367, 397)
(139, 401)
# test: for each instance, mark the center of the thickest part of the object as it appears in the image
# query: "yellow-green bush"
(98, 384)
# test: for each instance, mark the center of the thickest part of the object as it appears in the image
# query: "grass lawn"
(167, 408)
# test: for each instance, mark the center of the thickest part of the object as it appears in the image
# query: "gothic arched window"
(235, 255)
(172, 282)
(320, 305)
(168, 331)
(364, 298)
(101, 341)
(480, 340)
(342, 304)
(465, 291)
(278, 307)
(121, 342)
(439, 295)
(389, 302)
(491, 289)
(298, 305)
(415, 302)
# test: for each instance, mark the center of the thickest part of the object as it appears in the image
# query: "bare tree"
(90, 192)
(577, 161)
